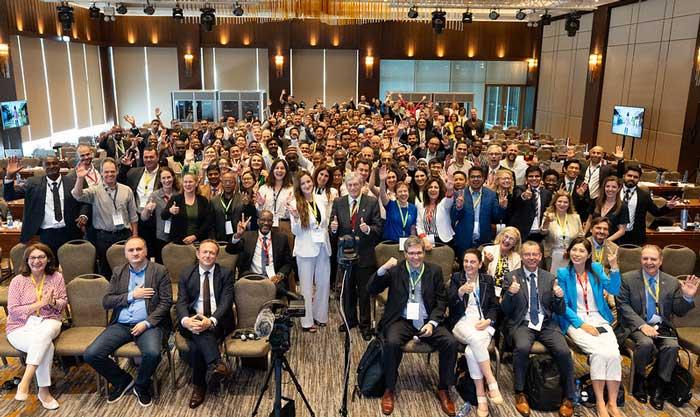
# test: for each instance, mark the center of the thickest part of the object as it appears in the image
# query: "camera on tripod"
(280, 335)
(347, 250)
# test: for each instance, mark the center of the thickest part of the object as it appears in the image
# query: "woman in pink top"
(35, 301)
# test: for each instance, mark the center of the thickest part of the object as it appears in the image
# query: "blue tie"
(418, 323)
(651, 304)
(534, 305)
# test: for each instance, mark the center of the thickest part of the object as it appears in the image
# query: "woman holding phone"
(587, 319)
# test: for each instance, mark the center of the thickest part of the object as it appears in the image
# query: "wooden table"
(8, 239)
(16, 208)
(661, 239)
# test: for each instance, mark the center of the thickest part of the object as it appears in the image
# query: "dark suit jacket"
(245, 248)
(178, 228)
(490, 212)
(522, 212)
(638, 234)
(368, 210)
(478, 126)
(397, 280)
(131, 178)
(34, 195)
(605, 171)
(583, 203)
(515, 306)
(423, 153)
(632, 305)
(487, 298)
(219, 215)
(158, 306)
(188, 295)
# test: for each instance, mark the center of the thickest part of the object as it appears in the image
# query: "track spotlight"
(413, 12)
(238, 10)
(467, 17)
(546, 18)
(178, 13)
(94, 12)
(573, 24)
(439, 21)
(520, 15)
(494, 15)
(149, 9)
(207, 18)
(65, 16)
(121, 9)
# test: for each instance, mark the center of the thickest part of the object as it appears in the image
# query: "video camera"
(277, 322)
(347, 250)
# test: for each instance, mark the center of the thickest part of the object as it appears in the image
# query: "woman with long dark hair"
(610, 205)
(434, 224)
(188, 213)
(275, 195)
(167, 186)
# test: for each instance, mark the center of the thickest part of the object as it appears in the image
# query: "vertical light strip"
(102, 92)
(291, 72)
(201, 68)
(257, 70)
(72, 86)
(324, 77)
(46, 81)
(24, 77)
(114, 86)
(216, 73)
(357, 75)
(87, 82)
(148, 84)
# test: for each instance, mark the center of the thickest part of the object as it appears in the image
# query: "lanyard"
(598, 254)
(39, 288)
(119, 147)
(314, 210)
(113, 197)
(591, 170)
(404, 219)
(476, 202)
(563, 229)
(476, 297)
(147, 178)
(275, 196)
(226, 206)
(413, 283)
(583, 282)
(655, 297)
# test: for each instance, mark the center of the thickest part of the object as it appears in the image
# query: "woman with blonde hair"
(503, 256)
(560, 225)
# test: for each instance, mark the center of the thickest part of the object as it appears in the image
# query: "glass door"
(503, 105)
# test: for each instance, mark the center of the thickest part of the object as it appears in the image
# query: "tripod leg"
(264, 389)
(286, 367)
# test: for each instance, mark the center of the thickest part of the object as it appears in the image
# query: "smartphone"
(601, 330)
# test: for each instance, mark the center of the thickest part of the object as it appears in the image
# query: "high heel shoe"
(494, 394)
(21, 396)
(49, 405)
(482, 401)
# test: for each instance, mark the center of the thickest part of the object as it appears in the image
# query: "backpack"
(370, 371)
(542, 383)
(679, 390)
(587, 395)
(465, 384)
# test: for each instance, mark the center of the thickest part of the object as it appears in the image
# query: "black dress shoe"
(343, 329)
(657, 397)
(367, 334)
(638, 391)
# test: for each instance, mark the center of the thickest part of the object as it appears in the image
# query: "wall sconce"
(531, 63)
(697, 69)
(4, 60)
(369, 66)
(279, 65)
(189, 58)
(594, 63)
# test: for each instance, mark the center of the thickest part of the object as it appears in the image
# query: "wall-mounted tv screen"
(14, 114)
(628, 121)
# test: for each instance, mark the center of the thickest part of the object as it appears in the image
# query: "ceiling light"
(178, 13)
(467, 17)
(65, 16)
(494, 15)
(149, 9)
(238, 10)
(413, 12)
(94, 12)
(546, 18)
(207, 18)
(573, 24)
(439, 20)
(520, 15)
(121, 9)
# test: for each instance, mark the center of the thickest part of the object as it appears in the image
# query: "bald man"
(596, 172)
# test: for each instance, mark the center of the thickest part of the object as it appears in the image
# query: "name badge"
(655, 319)
(412, 311)
(275, 221)
(229, 227)
(166, 227)
(270, 270)
(402, 241)
(498, 291)
(536, 327)
(318, 236)
(431, 239)
(473, 132)
(117, 219)
(500, 227)
(33, 321)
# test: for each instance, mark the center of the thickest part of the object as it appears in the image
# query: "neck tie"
(651, 304)
(534, 305)
(536, 194)
(353, 214)
(206, 295)
(57, 212)
(628, 195)
(419, 322)
(571, 187)
(265, 253)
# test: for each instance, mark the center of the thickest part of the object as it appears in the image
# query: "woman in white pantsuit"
(309, 217)
(588, 319)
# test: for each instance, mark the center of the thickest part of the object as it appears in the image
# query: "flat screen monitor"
(14, 114)
(628, 121)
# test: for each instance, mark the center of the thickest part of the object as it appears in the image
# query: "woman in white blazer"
(309, 214)
(434, 224)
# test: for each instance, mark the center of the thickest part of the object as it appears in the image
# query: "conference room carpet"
(317, 360)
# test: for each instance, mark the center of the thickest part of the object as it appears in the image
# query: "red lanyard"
(584, 288)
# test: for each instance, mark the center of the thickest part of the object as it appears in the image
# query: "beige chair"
(628, 257)
(16, 254)
(688, 327)
(76, 257)
(131, 351)
(544, 154)
(250, 293)
(648, 176)
(225, 259)
(176, 259)
(691, 193)
(89, 318)
(678, 260)
(8, 351)
(383, 252)
(672, 176)
(115, 255)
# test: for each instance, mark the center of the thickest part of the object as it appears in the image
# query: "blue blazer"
(567, 281)
(463, 219)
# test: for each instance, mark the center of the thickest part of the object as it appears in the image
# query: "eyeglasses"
(417, 253)
(37, 258)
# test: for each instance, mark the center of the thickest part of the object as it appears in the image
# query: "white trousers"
(477, 342)
(603, 351)
(37, 342)
(315, 272)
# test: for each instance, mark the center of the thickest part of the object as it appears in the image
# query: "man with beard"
(596, 172)
(515, 163)
(474, 126)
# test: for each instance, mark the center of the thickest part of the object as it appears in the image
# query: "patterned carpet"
(317, 360)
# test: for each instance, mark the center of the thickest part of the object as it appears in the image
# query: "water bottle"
(10, 220)
(658, 177)
(685, 177)
(577, 394)
(697, 222)
(684, 218)
(464, 411)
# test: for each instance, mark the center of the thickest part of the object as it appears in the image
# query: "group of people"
(281, 191)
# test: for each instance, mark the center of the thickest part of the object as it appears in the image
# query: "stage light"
(494, 15)
(520, 15)
(238, 10)
(439, 21)
(149, 9)
(65, 16)
(94, 12)
(413, 12)
(178, 13)
(121, 9)
(207, 18)
(467, 17)
(546, 18)
(573, 24)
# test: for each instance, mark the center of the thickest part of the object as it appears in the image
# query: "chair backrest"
(115, 255)
(443, 256)
(691, 192)
(648, 176)
(629, 257)
(386, 250)
(85, 293)
(178, 257)
(544, 154)
(250, 294)
(678, 260)
(16, 254)
(76, 257)
(692, 319)
(225, 259)
(672, 176)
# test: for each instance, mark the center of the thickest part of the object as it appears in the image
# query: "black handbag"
(588, 396)
(680, 389)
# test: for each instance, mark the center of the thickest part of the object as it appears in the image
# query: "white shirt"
(631, 205)
(519, 167)
(145, 187)
(592, 178)
(591, 317)
(199, 307)
(537, 221)
(49, 221)
(93, 177)
(256, 266)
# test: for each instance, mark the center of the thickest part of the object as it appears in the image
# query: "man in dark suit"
(204, 300)
(528, 204)
(639, 203)
(577, 188)
(473, 127)
(358, 215)
(140, 296)
(50, 210)
(263, 252)
(648, 301)
(529, 305)
(424, 131)
(433, 150)
(227, 208)
(415, 308)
